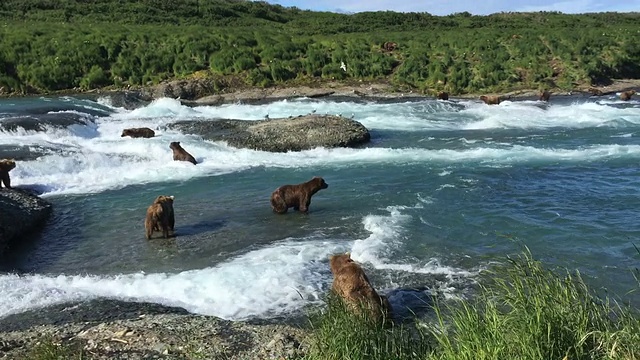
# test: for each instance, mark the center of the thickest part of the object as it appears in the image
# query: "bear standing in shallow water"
(351, 284)
(625, 96)
(160, 217)
(180, 154)
(296, 196)
(6, 165)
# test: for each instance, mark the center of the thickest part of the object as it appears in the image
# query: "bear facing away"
(180, 154)
(351, 284)
(625, 96)
(144, 132)
(296, 196)
(6, 165)
(160, 217)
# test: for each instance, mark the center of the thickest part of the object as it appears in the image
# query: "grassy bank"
(522, 311)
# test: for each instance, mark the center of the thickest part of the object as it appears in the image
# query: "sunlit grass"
(523, 311)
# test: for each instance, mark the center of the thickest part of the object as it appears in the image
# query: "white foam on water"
(94, 157)
(265, 282)
(276, 280)
(387, 235)
(527, 115)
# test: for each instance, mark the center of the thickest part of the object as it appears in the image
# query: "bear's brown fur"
(443, 95)
(180, 154)
(160, 217)
(625, 96)
(296, 196)
(6, 165)
(351, 284)
(595, 92)
(490, 99)
(544, 95)
(138, 133)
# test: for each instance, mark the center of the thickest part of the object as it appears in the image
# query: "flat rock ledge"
(110, 329)
(21, 213)
(281, 135)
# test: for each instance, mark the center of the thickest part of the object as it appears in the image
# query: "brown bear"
(138, 133)
(595, 92)
(180, 154)
(443, 95)
(160, 217)
(6, 165)
(351, 284)
(544, 95)
(296, 196)
(490, 99)
(625, 96)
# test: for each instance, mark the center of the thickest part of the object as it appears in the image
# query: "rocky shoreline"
(110, 329)
(199, 92)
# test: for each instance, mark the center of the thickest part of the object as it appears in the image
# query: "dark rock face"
(281, 135)
(21, 212)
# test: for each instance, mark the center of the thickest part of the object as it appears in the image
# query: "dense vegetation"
(50, 45)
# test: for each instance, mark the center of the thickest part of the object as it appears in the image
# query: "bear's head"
(126, 132)
(164, 199)
(7, 165)
(175, 145)
(319, 182)
(337, 261)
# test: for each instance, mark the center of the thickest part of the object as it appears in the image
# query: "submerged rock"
(281, 135)
(21, 212)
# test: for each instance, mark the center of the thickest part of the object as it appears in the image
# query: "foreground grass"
(524, 312)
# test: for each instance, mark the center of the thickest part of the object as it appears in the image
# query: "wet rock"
(21, 213)
(281, 135)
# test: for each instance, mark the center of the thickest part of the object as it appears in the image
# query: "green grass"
(340, 334)
(523, 311)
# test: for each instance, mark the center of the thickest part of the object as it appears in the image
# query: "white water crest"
(94, 157)
(276, 280)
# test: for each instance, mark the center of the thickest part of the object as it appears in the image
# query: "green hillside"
(48, 45)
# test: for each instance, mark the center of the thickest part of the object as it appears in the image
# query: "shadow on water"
(201, 227)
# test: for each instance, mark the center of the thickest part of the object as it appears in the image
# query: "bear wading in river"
(296, 196)
(351, 284)
(625, 96)
(180, 154)
(6, 165)
(160, 217)
(138, 133)
(490, 99)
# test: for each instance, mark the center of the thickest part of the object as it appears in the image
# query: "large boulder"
(281, 135)
(21, 212)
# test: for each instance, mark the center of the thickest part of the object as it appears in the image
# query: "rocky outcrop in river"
(21, 212)
(281, 135)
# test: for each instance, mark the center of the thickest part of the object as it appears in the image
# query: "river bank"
(200, 91)
(109, 329)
